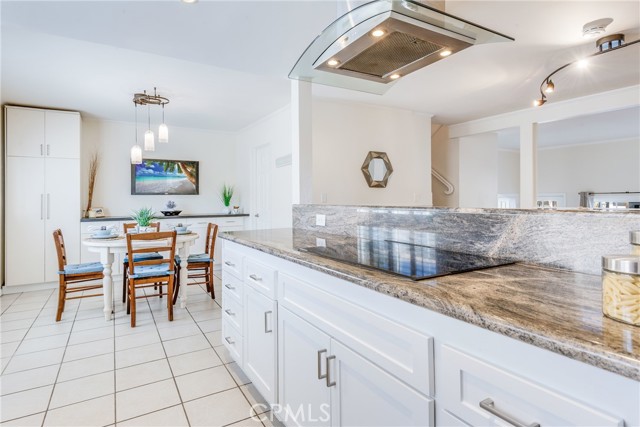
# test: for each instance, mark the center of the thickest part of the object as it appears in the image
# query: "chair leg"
(211, 281)
(132, 302)
(61, 294)
(125, 266)
(170, 298)
(176, 290)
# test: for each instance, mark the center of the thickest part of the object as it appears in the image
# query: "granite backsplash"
(569, 239)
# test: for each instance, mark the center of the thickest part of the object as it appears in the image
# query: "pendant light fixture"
(149, 137)
(136, 150)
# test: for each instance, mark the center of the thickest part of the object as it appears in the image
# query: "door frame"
(254, 183)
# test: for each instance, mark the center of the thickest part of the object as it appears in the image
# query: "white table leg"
(106, 258)
(184, 274)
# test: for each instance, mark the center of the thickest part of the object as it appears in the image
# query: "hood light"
(332, 62)
(446, 52)
(394, 76)
(377, 33)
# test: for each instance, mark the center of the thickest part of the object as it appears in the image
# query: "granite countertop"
(126, 218)
(557, 310)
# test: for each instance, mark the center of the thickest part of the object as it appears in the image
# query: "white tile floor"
(84, 371)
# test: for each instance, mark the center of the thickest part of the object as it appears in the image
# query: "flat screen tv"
(154, 176)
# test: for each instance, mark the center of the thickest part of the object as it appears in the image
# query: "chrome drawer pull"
(320, 374)
(228, 339)
(267, 330)
(254, 277)
(328, 376)
(229, 263)
(231, 288)
(488, 405)
(229, 312)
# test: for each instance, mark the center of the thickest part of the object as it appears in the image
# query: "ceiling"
(224, 64)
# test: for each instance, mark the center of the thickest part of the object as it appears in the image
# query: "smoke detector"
(595, 28)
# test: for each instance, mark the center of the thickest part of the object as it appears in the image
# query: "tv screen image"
(154, 176)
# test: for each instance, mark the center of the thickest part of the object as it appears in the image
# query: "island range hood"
(376, 44)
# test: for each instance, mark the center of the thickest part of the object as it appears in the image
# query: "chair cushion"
(151, 271)
(89, 267)
(196, 258)
(143, 257)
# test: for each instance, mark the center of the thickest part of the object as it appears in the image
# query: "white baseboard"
(6, 290)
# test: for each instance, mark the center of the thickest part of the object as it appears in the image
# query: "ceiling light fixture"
(149, 137)
(605, 45)
(446, 52)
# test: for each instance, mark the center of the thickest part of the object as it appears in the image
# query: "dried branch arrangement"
(94, 163)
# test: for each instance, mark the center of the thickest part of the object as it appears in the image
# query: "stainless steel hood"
(374, 45)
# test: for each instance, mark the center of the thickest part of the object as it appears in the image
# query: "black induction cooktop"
(416, 262)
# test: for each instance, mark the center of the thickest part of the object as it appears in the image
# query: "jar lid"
(634, 237)
(627, 264)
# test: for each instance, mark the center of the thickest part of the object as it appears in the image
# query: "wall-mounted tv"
(154, 176)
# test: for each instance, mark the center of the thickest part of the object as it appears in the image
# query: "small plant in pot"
(225, 195)
(143, 217)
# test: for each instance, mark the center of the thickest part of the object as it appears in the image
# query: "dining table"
(108, 247)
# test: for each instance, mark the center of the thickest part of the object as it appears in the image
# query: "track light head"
(550, 86)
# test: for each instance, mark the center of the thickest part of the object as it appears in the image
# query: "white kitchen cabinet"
(33, 132)
(42, 192)
(260, 334)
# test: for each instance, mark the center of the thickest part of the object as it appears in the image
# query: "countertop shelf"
(127, 218)
(554, 309)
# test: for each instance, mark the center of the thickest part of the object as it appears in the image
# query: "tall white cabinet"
(42, 192)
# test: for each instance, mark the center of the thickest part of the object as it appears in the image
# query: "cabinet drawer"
(232, 340)
(229, 222)
(468, 382)
(261, 277)
(232, 287)
(399, 350)
(231, 309)
(232, 262)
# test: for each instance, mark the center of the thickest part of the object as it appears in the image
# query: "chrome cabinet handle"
(48, 151)
(267, 330)
(489, 406)
(320, 374)
(228, 339)
(228, 286)
(230, 264)
(229, 312)
(328, 376)
(41, 150)
(48, 206)
(42, 206)
(254, 277)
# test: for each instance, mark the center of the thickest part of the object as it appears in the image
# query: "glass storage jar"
(634, 239)
(621, 288)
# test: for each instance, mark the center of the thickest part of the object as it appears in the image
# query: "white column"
(301, 139)
(528, 165)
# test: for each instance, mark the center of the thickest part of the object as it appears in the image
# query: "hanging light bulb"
(550, 86)
(163, 130)
(136, 150)
(149, 139)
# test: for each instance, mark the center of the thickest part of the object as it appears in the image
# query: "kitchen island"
(530, 339)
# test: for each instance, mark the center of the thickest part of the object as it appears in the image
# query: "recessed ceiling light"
(377, 33)
(333, 62)
(394, 76)
(446, 52)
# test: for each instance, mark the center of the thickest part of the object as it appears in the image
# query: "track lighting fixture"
(550, 86)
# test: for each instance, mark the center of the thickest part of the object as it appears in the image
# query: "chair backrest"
(62, 253)
(129, 225)
(164, 241)
(210, 242)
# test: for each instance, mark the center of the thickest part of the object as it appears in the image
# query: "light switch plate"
(322, 243)
(321, 220)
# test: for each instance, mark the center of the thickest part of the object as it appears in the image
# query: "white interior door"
(62, 134)
(62, 210)
(25, 214)
(25, 132)
(261, 187)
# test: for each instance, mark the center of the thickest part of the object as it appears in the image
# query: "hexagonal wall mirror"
(377, 169)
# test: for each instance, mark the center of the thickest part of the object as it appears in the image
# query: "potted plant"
(226, 194)
(143, 217)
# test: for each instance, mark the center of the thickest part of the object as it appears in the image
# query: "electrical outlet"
(321, 220)
(323, 198)
(321, 243)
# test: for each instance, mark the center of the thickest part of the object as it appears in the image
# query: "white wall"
(444, 159)
(604, 167)
(343, 135)
(214, 150)
(274, 130)
(479, 171)
(508, 171)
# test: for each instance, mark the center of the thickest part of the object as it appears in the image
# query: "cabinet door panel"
(260, 342)
(62, 210)
(62, 134)
(25, 213)
(25, 132)
(366, 395)
(300, 348)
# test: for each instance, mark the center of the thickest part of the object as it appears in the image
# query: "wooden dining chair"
(125, 262)
(73, 274)
(146, 273)
(200, 266)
